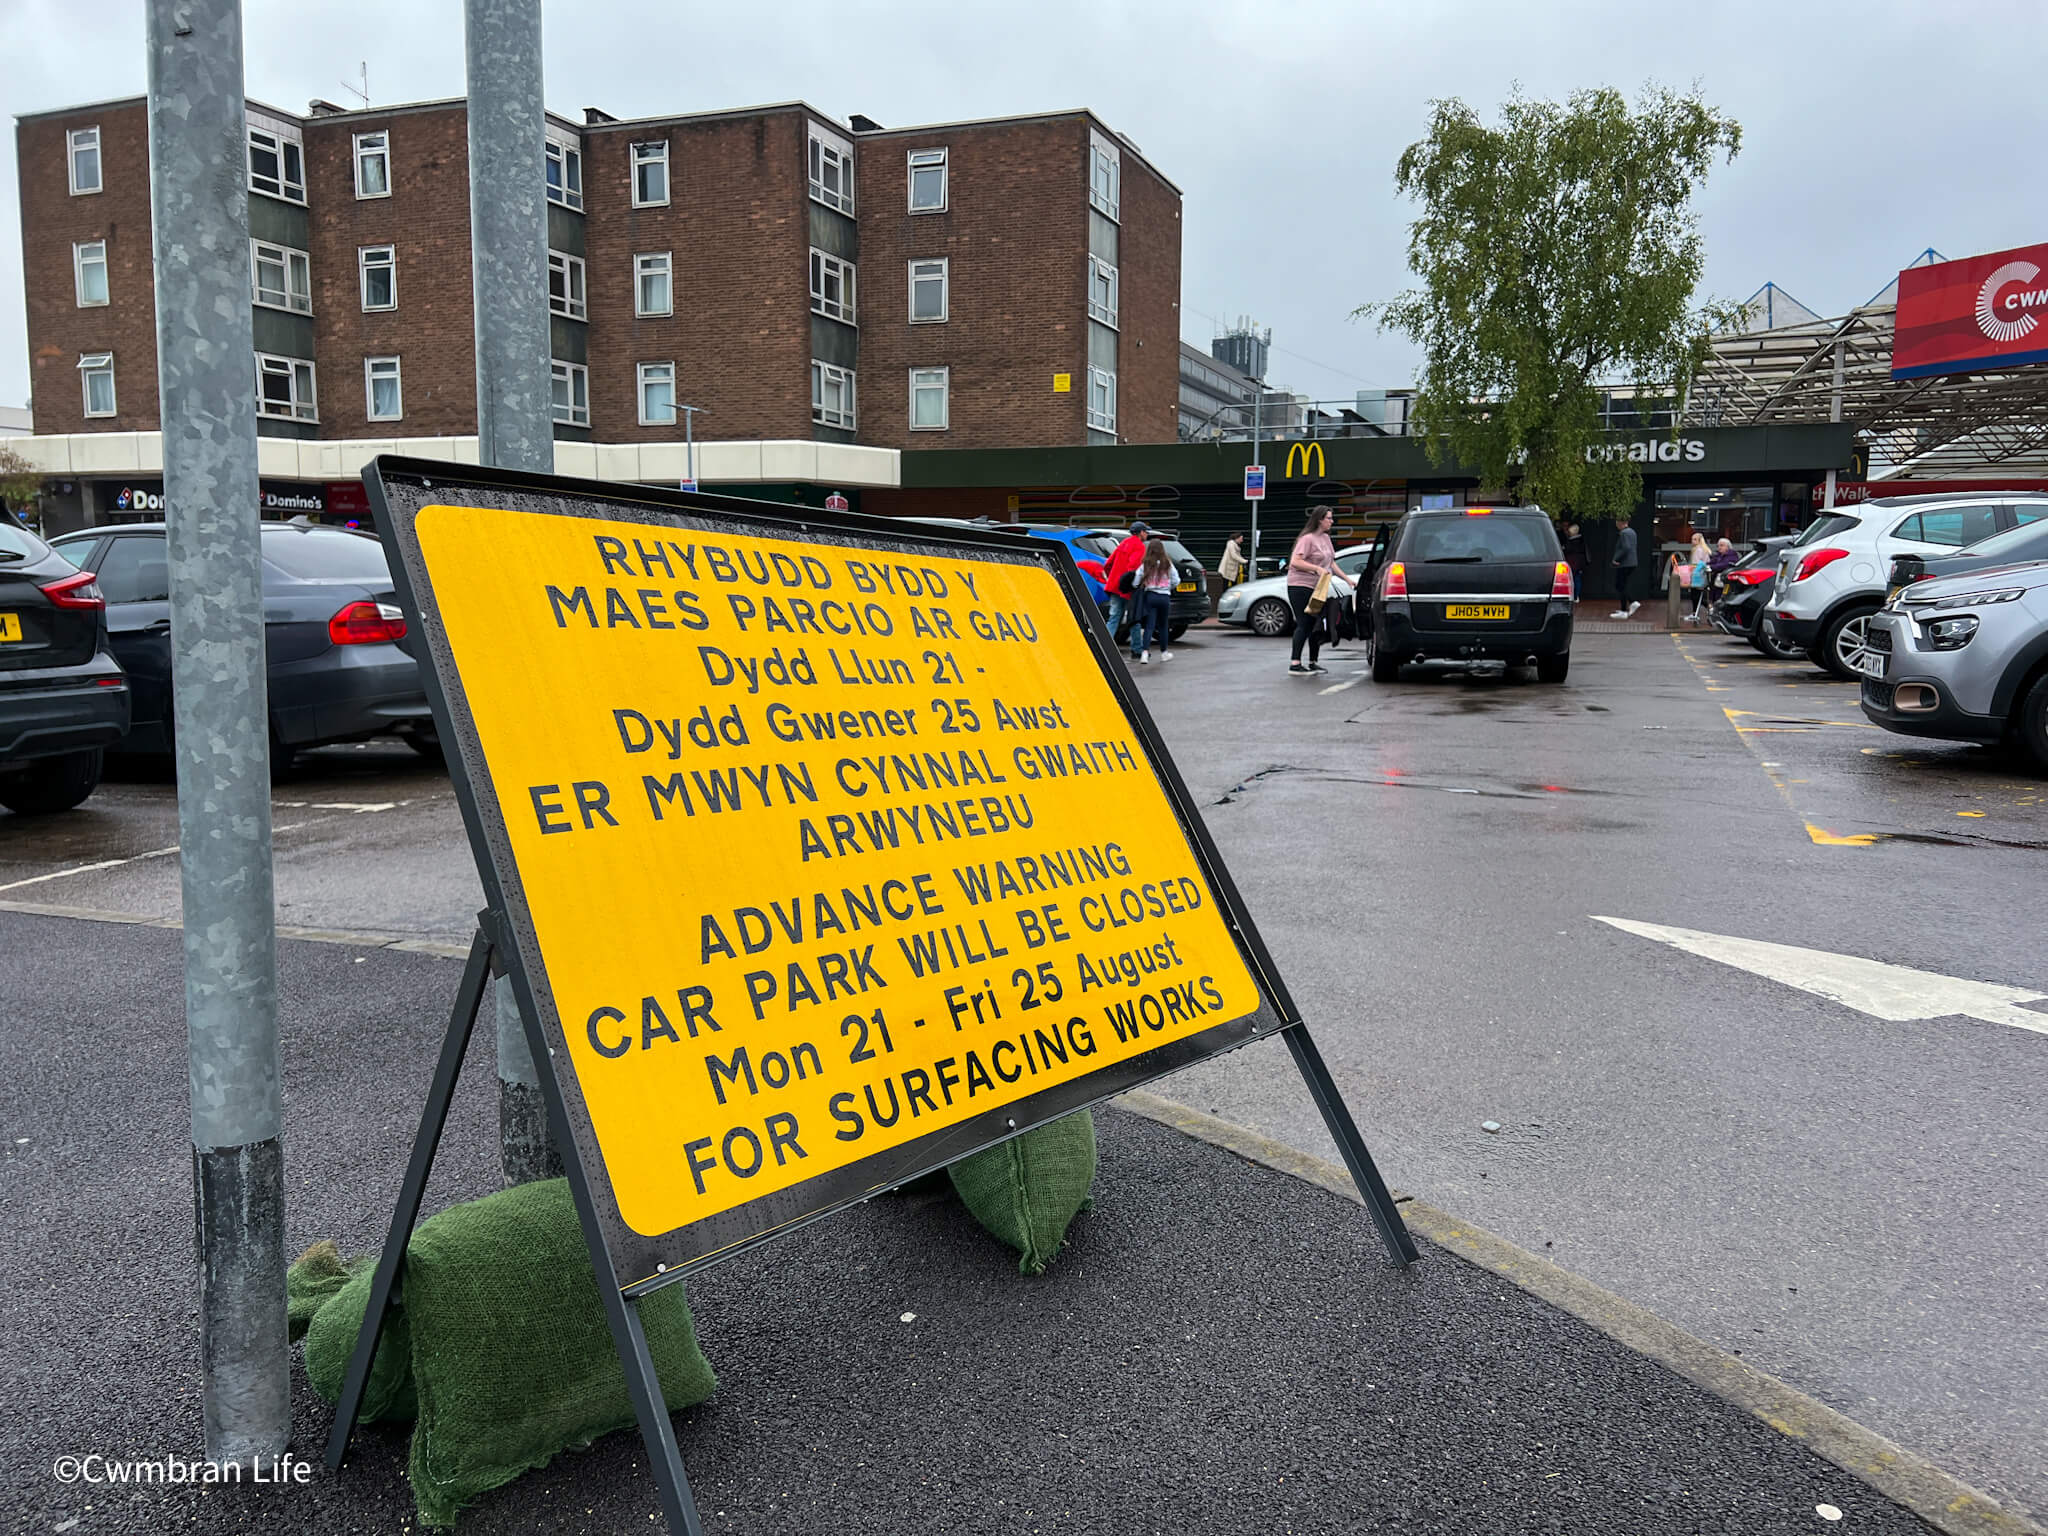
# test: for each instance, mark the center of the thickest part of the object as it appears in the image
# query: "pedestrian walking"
(1693, 572)
(1624, 569)
(1120, 579)
(1574, 543)
(1310, 569)
(1231, 567)
(1155, 604)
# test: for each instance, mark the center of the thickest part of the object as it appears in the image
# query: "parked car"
(1963, 658)
(1832, 578)
(339, 666)
(1469, 584)
(1745, 597)
(1092, 547)
(1262, 607)
(63, 699)
(2016, 546)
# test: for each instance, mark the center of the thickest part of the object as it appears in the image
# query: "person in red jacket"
(1123, 594)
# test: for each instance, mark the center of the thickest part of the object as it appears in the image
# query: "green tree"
(1558, 252)
(20, 482)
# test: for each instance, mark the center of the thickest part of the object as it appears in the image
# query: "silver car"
(1964, 658)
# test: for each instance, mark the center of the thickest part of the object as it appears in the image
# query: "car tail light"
(1816, 560)
(1749, 578)
(1561, 581)
(1479, 511)
(1397, 580)
(77, 591)
(366, 623)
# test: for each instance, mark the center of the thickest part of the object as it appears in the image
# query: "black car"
(2015, 546)
(1469, 584)
(1746, 589)
(338, 664)
(1190, 585)
(63, 700)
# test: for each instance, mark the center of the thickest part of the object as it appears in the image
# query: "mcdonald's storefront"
(1744, 482)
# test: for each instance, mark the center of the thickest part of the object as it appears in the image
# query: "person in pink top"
(1313, 558)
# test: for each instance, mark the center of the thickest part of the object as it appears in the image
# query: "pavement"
(1850, 1203)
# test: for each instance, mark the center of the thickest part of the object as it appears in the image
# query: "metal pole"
(1834, 414)
(1258, 399)
(508, 221)
(198, 140)
(690, 441)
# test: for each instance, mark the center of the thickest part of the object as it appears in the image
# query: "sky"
(1871, 130)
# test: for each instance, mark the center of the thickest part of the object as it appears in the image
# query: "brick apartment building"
(1007, 283)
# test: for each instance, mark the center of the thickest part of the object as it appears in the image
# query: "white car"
(1831, 579)
(1262, 605)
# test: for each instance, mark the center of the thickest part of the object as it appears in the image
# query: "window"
(651, 291)
(831, 286)
(1101, 291)
(571, 383)
(89, 269)
(1951, 526)
(565, 175)
(928, 297)
(136, 569)
(373, 165)
(283, 277)
(1102, 399)
(277, 165)
(565, 285)
(1104, 174)
(84, 154)
(929, 388)
(831, 170)
(325, 554)
(928, 181)
(284, 387)
(378, 266)
(96, 371)
(657, 394)
(650, 175)
(831, 395)
(381, 389)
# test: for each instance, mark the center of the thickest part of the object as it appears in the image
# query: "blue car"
(1091, 549)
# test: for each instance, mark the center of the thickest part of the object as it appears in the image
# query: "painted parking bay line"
(1896, 993)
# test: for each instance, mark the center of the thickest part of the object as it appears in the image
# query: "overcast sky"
(1871, 130)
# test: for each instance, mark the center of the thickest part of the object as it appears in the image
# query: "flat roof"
(1123, 141)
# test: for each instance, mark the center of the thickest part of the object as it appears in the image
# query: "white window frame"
(944, 376)
(369, 147)
(284, 188)
(660, 264)
(1101, 421)
(76, 140)
(363, 266)
(574, 409)
(924, 160)
(654, 373)
(645, 153)
(828, 150)
(371, 367)
(565, 155)
(848, 416)
(1102, 274)
(90, 366)
(1105, 176)
(302, 405)
(575, 300)
(945, 266)
(298, 299)
(79, 262)
(825, 266)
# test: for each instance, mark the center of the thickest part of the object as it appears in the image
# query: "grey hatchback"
(339, 663)
(1964, 658)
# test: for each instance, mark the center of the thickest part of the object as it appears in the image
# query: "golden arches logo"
(1308, 453)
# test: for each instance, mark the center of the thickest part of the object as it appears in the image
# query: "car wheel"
(1777, 647)
(51, 784)
(1845, 642)
(1176, 631)
(426, 742)
(1270, 617)
(2030, 722)
(1385, 668)
(1553, 669)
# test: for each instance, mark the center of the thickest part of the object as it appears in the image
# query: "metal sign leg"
(461, 1020)
(1385, 1215)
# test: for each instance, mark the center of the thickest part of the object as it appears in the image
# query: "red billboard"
(1985, 312)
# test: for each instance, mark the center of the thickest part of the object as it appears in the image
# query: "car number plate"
(1475, 610)
(10, 628)
(1186, 586)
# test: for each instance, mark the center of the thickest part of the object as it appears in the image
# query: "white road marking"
(1355, 679)
(86, 869)
(353, 805)
(1894, 992)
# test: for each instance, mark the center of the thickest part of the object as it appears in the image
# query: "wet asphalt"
(1853, 1205)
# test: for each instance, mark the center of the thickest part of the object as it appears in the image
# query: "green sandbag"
(1027, 1189)
(331, 1339)
(513, 1359)
(312, 1280)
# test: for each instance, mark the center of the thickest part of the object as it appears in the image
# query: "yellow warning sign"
(837, 855)
(1062, 383)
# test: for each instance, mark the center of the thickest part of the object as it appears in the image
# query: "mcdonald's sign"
(1307, 453)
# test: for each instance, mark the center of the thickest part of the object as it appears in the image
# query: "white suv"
(1831, 579)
